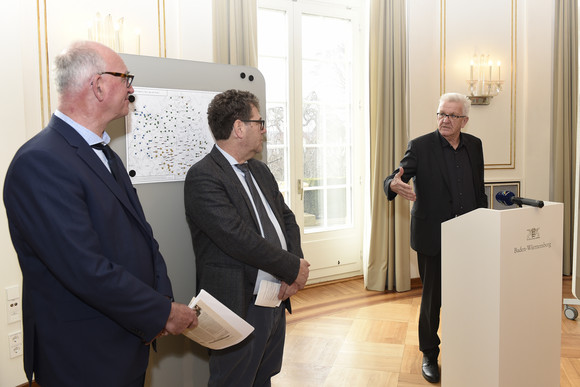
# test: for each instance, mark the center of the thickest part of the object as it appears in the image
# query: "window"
(306, 52)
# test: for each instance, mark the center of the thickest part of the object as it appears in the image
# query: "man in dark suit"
(447, 170)
(95, 286)
(242, 236)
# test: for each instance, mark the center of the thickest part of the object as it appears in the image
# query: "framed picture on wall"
(493, 188)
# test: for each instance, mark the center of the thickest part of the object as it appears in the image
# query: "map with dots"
(167, 132)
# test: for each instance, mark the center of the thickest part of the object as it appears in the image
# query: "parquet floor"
(342, 335)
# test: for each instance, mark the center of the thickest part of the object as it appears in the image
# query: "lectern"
(501, 297)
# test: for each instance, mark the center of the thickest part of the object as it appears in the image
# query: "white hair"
(76, 65)
(456, 97)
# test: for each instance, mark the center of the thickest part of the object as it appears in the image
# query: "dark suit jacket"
(425, 163)
(95, 286)
(227, 243)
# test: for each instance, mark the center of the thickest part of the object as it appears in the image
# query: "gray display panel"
(178, 361)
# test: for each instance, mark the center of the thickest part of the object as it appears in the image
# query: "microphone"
(131, 98)
(508, 198)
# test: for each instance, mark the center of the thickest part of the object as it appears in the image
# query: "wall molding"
(443, 70)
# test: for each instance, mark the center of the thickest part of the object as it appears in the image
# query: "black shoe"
(430, 370)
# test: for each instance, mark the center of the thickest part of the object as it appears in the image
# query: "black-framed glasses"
(452, 117)
(128, 77)
(261, 122)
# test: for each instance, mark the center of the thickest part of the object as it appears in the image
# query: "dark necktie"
(270, 233)
(110, 155)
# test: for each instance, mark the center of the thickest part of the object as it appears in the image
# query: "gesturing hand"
(399, 187)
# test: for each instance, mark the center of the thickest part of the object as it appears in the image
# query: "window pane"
(337, 204)
(327, 120)
(310, 126)
(272, 26)
(276, 124)
(337, 161)
(337, 126)
(274, 71)
(276, 164)
(273, 64)
(313, 208)
(324, 71)
(313, 167)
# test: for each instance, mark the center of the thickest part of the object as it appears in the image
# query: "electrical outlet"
(15, 344)
(13, 309)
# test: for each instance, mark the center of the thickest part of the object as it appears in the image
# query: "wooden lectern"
(502, 297)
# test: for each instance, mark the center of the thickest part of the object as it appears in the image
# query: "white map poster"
(167, 132)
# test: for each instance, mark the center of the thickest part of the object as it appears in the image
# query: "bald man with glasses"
(95, 288)
(447, 171)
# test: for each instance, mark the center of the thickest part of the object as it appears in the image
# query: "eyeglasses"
(128, 77)
(452, 117)
(261, 122)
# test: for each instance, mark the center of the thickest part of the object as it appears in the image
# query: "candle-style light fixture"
(113, 34)
(484, 80)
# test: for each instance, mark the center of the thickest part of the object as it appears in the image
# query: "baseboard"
(415, 282)
(356, 277)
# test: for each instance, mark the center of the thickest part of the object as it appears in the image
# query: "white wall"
(536, 108)
(29, 45)
(444, 35)
(13, 134)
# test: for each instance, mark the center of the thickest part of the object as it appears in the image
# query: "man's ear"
(238, 129)
(97, 88)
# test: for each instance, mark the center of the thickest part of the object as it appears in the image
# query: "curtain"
(235, 32)
(387, 265)
(565, 118)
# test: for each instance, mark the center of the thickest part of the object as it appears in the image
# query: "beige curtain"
(235, 32)
(565, 117)
(388, 264)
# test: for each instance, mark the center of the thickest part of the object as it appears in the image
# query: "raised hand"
(401, 188)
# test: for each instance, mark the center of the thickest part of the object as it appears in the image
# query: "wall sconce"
(482, 85)
(112, 34)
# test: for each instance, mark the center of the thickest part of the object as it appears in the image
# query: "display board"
(167, 132)
(164, 133)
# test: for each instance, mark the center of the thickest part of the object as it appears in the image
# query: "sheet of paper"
(268, 294)
(218, 327)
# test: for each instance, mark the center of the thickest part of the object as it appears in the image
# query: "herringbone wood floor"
(342, 335)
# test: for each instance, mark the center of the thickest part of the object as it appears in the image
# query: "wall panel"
(483, 28)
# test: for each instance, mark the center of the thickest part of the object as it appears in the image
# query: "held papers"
(218, 327)
(268, 294)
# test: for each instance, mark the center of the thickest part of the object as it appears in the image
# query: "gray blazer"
(424, 162)
(228, 246)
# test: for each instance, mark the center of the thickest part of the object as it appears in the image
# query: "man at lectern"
(447, 170)
(245, 240)
(95, 287)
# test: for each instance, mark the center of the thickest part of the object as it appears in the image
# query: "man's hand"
(401, 188)
(287, 291)
(303, 273)
(180, 318)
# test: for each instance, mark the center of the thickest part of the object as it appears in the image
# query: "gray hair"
(76, 65)
(456, 97)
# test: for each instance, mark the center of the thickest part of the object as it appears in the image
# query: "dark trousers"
(430, 273)
(256, 359)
